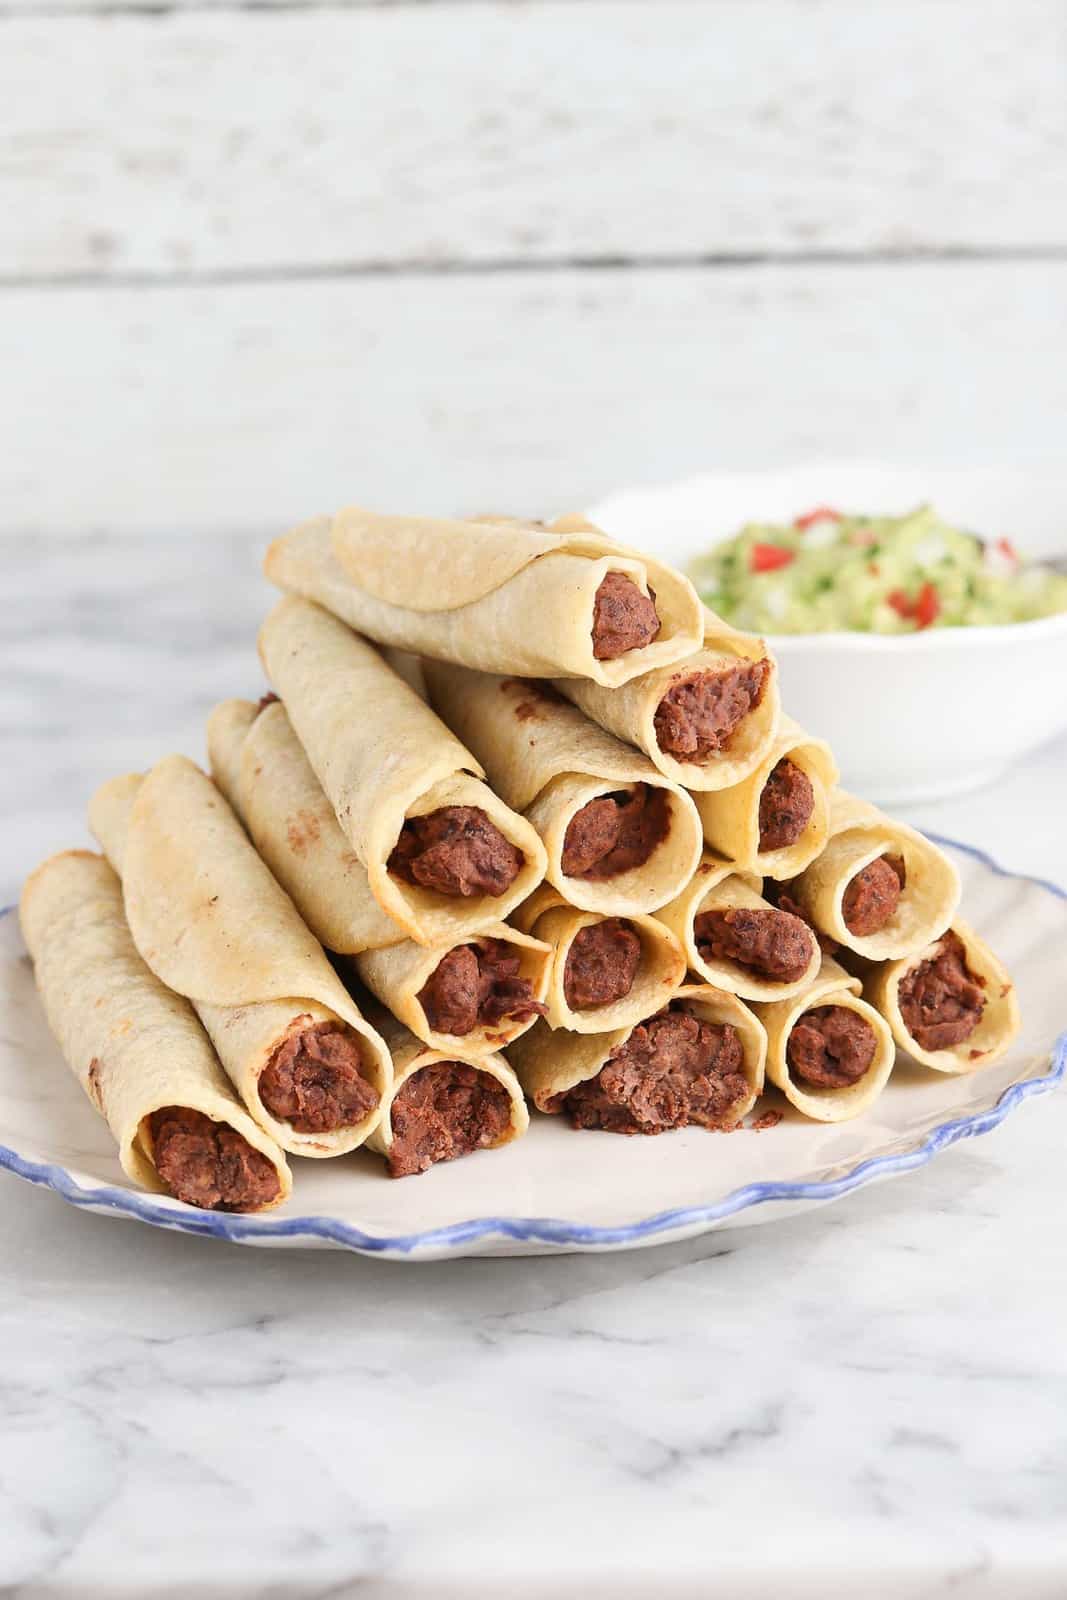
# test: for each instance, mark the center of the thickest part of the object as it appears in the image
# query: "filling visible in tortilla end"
(673, 1071)
(314, 1080)
(208, 1164)
(871, 898)
(623, 617)
(616, 832)
(477, 985)
(830, 1047)
(785, 806)
(699, 715)
(779, 896)
(456, 851)
(941, 999)
(444, 1111)
(773, 944)
(601, 964)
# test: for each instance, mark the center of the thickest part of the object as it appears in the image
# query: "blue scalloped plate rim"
(550, 1230)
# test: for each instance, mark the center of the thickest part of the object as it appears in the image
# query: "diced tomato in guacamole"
(829, 572)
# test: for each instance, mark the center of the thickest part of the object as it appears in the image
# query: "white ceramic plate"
(558, 1189)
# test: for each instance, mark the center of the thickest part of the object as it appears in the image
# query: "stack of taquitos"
(569, 711)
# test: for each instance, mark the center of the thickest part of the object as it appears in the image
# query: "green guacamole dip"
(829, 572)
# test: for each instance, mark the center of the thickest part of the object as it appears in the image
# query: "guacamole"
(831, 572)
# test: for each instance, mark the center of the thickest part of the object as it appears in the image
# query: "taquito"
(737, 940)
(444, 855)
(952, 1005)
(776, 821)
(443, 1105)
(619, 837)
(214, 925)
(705, 722)
(700, 1060)
(475, 995)
(828, 1050)
(878, 888)
(259, 764)
(606, 972)
(500, 596)
(138, 1050)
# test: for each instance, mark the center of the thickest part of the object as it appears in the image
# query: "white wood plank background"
(246, 406)
(192, 144)
(472, 252)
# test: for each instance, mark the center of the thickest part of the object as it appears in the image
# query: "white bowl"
(909, 718)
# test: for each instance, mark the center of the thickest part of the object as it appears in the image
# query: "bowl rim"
(927, 639)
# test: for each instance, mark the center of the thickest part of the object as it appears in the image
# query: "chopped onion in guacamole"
(829, 572)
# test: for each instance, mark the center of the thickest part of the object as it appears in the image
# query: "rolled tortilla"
(213, 924)
(832, 987)
(1000, 1019)
(383, 758)
(660, 971)
(547, 760)
(410, 1057)
(259, 764)
(550, 1064)
(630, 711)
(859, 836)
(731, 817)
(399, 975)
(718, 886)
(499, 596)
(134, 1045)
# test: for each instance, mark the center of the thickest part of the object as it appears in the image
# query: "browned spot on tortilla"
(769, 1119)
(975, 1055)
(1005, 989)
(537, 696)
(93, 1084)
(302, 831)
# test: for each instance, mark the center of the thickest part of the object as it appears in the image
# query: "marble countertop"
(869, 1401)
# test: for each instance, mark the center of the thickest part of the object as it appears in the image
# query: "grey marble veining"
(869, 1401)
